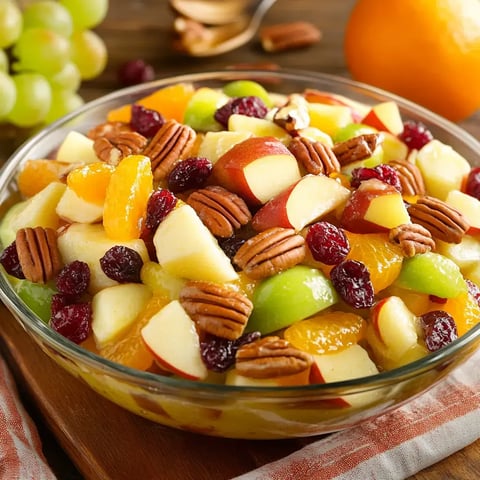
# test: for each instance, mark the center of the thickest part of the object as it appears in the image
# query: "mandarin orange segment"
(170, 101)
(382, 258)
(126, 198)
(131, 350)
(327, 332)
(90, 181)
(35, 175)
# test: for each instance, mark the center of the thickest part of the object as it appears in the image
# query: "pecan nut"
(172, 141)
(293, 115)
(220, 210)
(269, 252)
(108, 129)
(315, 157)
(412, 239)
(410, 177)
(216, 308)
(356, 148)
(114, 147)
(288, 36)
(38, 253)
(440, 219)
(270, 357)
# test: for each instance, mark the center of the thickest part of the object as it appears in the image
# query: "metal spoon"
(202, 40)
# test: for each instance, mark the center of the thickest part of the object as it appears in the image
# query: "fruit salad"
(239, 236)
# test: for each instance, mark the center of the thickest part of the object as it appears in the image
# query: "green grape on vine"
(33, 100)
(50, 15)
(4, 66)
(68, 78)
(63, 102)
(8, 94)
(10, 23)
(89, 53)
(86, 14)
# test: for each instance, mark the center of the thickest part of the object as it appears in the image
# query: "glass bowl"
(234, 411)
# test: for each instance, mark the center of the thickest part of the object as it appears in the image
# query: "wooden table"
(102, 440)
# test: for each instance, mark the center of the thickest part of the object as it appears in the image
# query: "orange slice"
(90, 181)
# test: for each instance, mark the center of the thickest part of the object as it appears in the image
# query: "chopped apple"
(315, 135)
(359, 110)
(172, 338)
(393, 148)
(88, 243)
(40, 210)
(234, 378)
(214, 144)
(75, 209)
(443, 169)
(352, 362)
(374, 207)
(258, 127)
(468, 206)
(385, 117)
(465, 254)
(329, 118)
(76, 148)
(395, 325)
(7, 230)
(305, 202)
(114, 309)
(246, 169)
(186, 248)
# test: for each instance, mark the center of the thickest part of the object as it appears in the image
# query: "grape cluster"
(46, 50)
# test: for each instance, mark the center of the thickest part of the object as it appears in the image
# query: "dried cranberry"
(473, 290)
(73, 321)
(351, 280)
(472, 184)
(190, 173)
(160, 204)
(10, 261)
(145, 121)
(327, 243)
(231, 245)
(122, 264)
(60, 300)
(134, 72)
(435, 299)
(218, 354)
(415, 135)
(439, 328)
(249, 106)
(383, 172)
(74, 278)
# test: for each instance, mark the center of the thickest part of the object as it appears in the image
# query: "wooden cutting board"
(107, 442)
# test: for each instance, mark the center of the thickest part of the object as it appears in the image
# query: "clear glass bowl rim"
(151, 381)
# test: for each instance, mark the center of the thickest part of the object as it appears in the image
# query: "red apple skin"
(168, 367)
(228, 170)
(274, 213)
(375, 312)
(316, 377)
(353, 214)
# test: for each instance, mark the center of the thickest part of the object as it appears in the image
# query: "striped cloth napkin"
(21, 455)
(395, 445)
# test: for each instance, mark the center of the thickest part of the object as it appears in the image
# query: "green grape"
(3, 61)
(86, 13)
(66, 79)
(88, 53)
(8, 94)
(34, 96)
(41, 51)
(37, 297)
(63, 102)
(10, 23)
(49, 15)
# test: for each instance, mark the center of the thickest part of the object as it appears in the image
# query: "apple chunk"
(385, 117)
(76, 148)
(185, 248)
(246, 169)
(214, 144)
(308, 200)
(75, 209)
(468, 206)
(172, 338)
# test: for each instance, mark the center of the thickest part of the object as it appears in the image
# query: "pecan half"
(315, 157)
(293, 115)
(172, 141)
(270, 357)
(356, 148)
(412, 239)
(410, 177)
(221, 211)
(38, 253)
(107, 129)
(216, 308)
(288, 36)
(442, 221)
(116, 146)
(270, 252)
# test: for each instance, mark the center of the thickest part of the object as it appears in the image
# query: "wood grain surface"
(86, 436)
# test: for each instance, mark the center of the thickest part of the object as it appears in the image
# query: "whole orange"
(425, 50)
